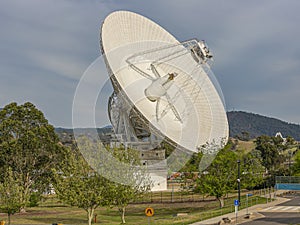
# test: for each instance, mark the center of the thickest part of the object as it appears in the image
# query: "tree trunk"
(9, 218)
(25, 196)
(122, 214)
(23, 209)
(90, 215)
(221, 201)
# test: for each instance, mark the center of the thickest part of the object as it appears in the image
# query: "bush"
(34, 199)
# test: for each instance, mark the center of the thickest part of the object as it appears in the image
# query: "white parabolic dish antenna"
(165, 86)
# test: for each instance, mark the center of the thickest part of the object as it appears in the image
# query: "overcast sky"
(46, 45)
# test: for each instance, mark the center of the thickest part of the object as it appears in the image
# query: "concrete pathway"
(241, 214)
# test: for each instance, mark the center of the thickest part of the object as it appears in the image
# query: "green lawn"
(52, 211)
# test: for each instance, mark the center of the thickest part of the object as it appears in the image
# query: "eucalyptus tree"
(29, 146)
(271, 149)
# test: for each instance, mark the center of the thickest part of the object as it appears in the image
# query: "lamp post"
(239, 182)
(290, 155)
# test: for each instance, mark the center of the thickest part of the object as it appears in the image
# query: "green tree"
(296, 166)
(29, 146)
(193, 164)
(169, 148)
(269, 148)
(121, 195)
(139, 182)
(252, 170)
(290, 142)
(245, 136)
(120, 166)
(220, 176)
(78, 185)
(10, 194)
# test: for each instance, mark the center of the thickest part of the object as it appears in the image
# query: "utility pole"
(239, 182)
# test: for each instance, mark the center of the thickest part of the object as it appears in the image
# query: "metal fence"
(189, 196)
(287, 180)
(287, 183)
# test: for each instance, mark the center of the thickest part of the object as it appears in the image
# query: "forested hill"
(256, 125)
(240, 123)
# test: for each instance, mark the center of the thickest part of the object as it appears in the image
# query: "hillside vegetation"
(243, 125)
(255, 125)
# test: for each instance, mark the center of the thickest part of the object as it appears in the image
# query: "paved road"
(292, 217)
(278, 218)
(295, 201)
(284, 213)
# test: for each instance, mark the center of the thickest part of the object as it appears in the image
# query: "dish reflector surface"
(141, 56)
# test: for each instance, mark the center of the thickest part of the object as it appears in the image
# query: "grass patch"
(53, 211)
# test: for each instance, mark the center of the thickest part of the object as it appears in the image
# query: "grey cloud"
(45, 48)
(48, 46)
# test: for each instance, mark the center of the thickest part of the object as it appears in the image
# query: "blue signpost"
(236, 206)
(236, 202)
